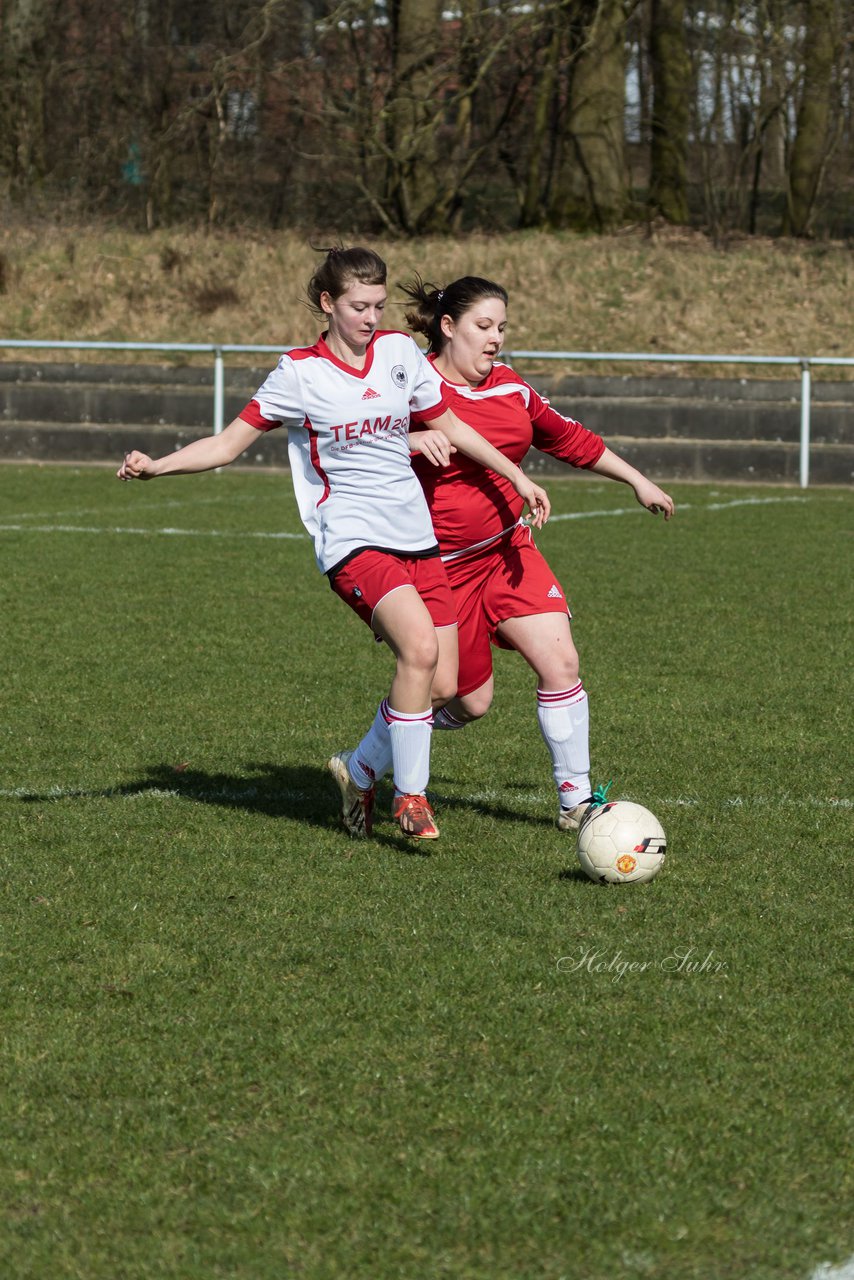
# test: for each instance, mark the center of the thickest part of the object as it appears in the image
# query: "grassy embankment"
(673, 292)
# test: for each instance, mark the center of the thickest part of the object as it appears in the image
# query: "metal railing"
(219, 350)
(805, 363)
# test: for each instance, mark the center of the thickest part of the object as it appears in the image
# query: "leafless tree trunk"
(590, 191)
(413, 110)
(769, 159)
(537, 170)
(31, 34)
(813, 139)
(670, 111)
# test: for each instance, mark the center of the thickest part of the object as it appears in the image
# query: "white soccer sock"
(565, 726)
(372, 758)
(442, 719)
(410, 746)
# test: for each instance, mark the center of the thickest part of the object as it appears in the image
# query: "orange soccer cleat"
(415, 816)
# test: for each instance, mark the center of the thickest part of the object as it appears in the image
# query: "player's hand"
(136, 466)
(536, 498)
(433, 444)
(654, 499)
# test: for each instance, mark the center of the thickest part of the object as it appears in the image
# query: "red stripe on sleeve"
(253, 415)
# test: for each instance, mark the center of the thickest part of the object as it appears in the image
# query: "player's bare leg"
(461, 710)
(444, 686)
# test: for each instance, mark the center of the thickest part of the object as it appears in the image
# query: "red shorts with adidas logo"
(512, 580)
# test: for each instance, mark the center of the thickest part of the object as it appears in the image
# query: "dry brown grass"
(671, 292)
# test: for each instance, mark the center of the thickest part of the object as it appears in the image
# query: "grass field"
(236, 1044)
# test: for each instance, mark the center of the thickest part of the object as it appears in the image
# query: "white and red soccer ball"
(621, 843)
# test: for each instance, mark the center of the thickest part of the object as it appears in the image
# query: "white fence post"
(219, 391)
(804, 470)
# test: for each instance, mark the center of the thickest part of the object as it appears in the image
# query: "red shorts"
(371, 575)
(512, 581)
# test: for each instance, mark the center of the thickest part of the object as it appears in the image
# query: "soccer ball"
(621, 843)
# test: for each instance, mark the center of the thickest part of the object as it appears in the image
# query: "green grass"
(235, 1044)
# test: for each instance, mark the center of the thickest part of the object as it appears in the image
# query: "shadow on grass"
(577, 876)
(305, 794)
(491, 805)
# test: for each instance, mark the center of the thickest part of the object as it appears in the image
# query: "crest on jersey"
(398, 375)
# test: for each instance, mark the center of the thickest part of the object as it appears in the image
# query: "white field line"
(685, 802)
(826, 1271)
(682, 506)
(127, 529)
(219, 533)
(249, 790)
(164, 504)
(135, 791)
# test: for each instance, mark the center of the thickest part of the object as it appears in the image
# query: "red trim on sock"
(403, 717)
(549, 698)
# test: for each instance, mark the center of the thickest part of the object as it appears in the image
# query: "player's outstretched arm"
(473, 445)
(200, 455)
(648, 494)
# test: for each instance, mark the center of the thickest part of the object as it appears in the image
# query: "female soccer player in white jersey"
(346, 402)
(504, 591)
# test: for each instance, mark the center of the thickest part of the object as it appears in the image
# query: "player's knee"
(477, 703)
(561, 671)
(421, 651)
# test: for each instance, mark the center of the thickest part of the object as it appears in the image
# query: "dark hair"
(342, 267)
(432, 302)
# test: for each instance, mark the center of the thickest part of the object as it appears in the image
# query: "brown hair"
(432, 302)
(340, 268)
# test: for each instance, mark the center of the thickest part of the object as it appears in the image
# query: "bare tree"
(413, 110)
(590, 189)
(31, 43)
(410, 114)
(533, 177)
(415, 116)
(815, 135)
(670, 113)
(774, 90)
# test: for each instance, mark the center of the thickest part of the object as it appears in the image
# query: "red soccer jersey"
(470, 505)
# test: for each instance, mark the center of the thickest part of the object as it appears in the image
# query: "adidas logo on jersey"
(370, 394)
(553, 593)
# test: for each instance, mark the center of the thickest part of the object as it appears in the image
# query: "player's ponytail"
(431, 302)
(424, 313)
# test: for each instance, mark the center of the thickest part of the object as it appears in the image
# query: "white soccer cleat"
(357, 807)
(570, 819)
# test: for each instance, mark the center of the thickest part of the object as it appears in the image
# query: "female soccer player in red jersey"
(504, 591)
(346, 402)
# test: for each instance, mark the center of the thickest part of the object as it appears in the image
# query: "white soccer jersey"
(348, 443)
